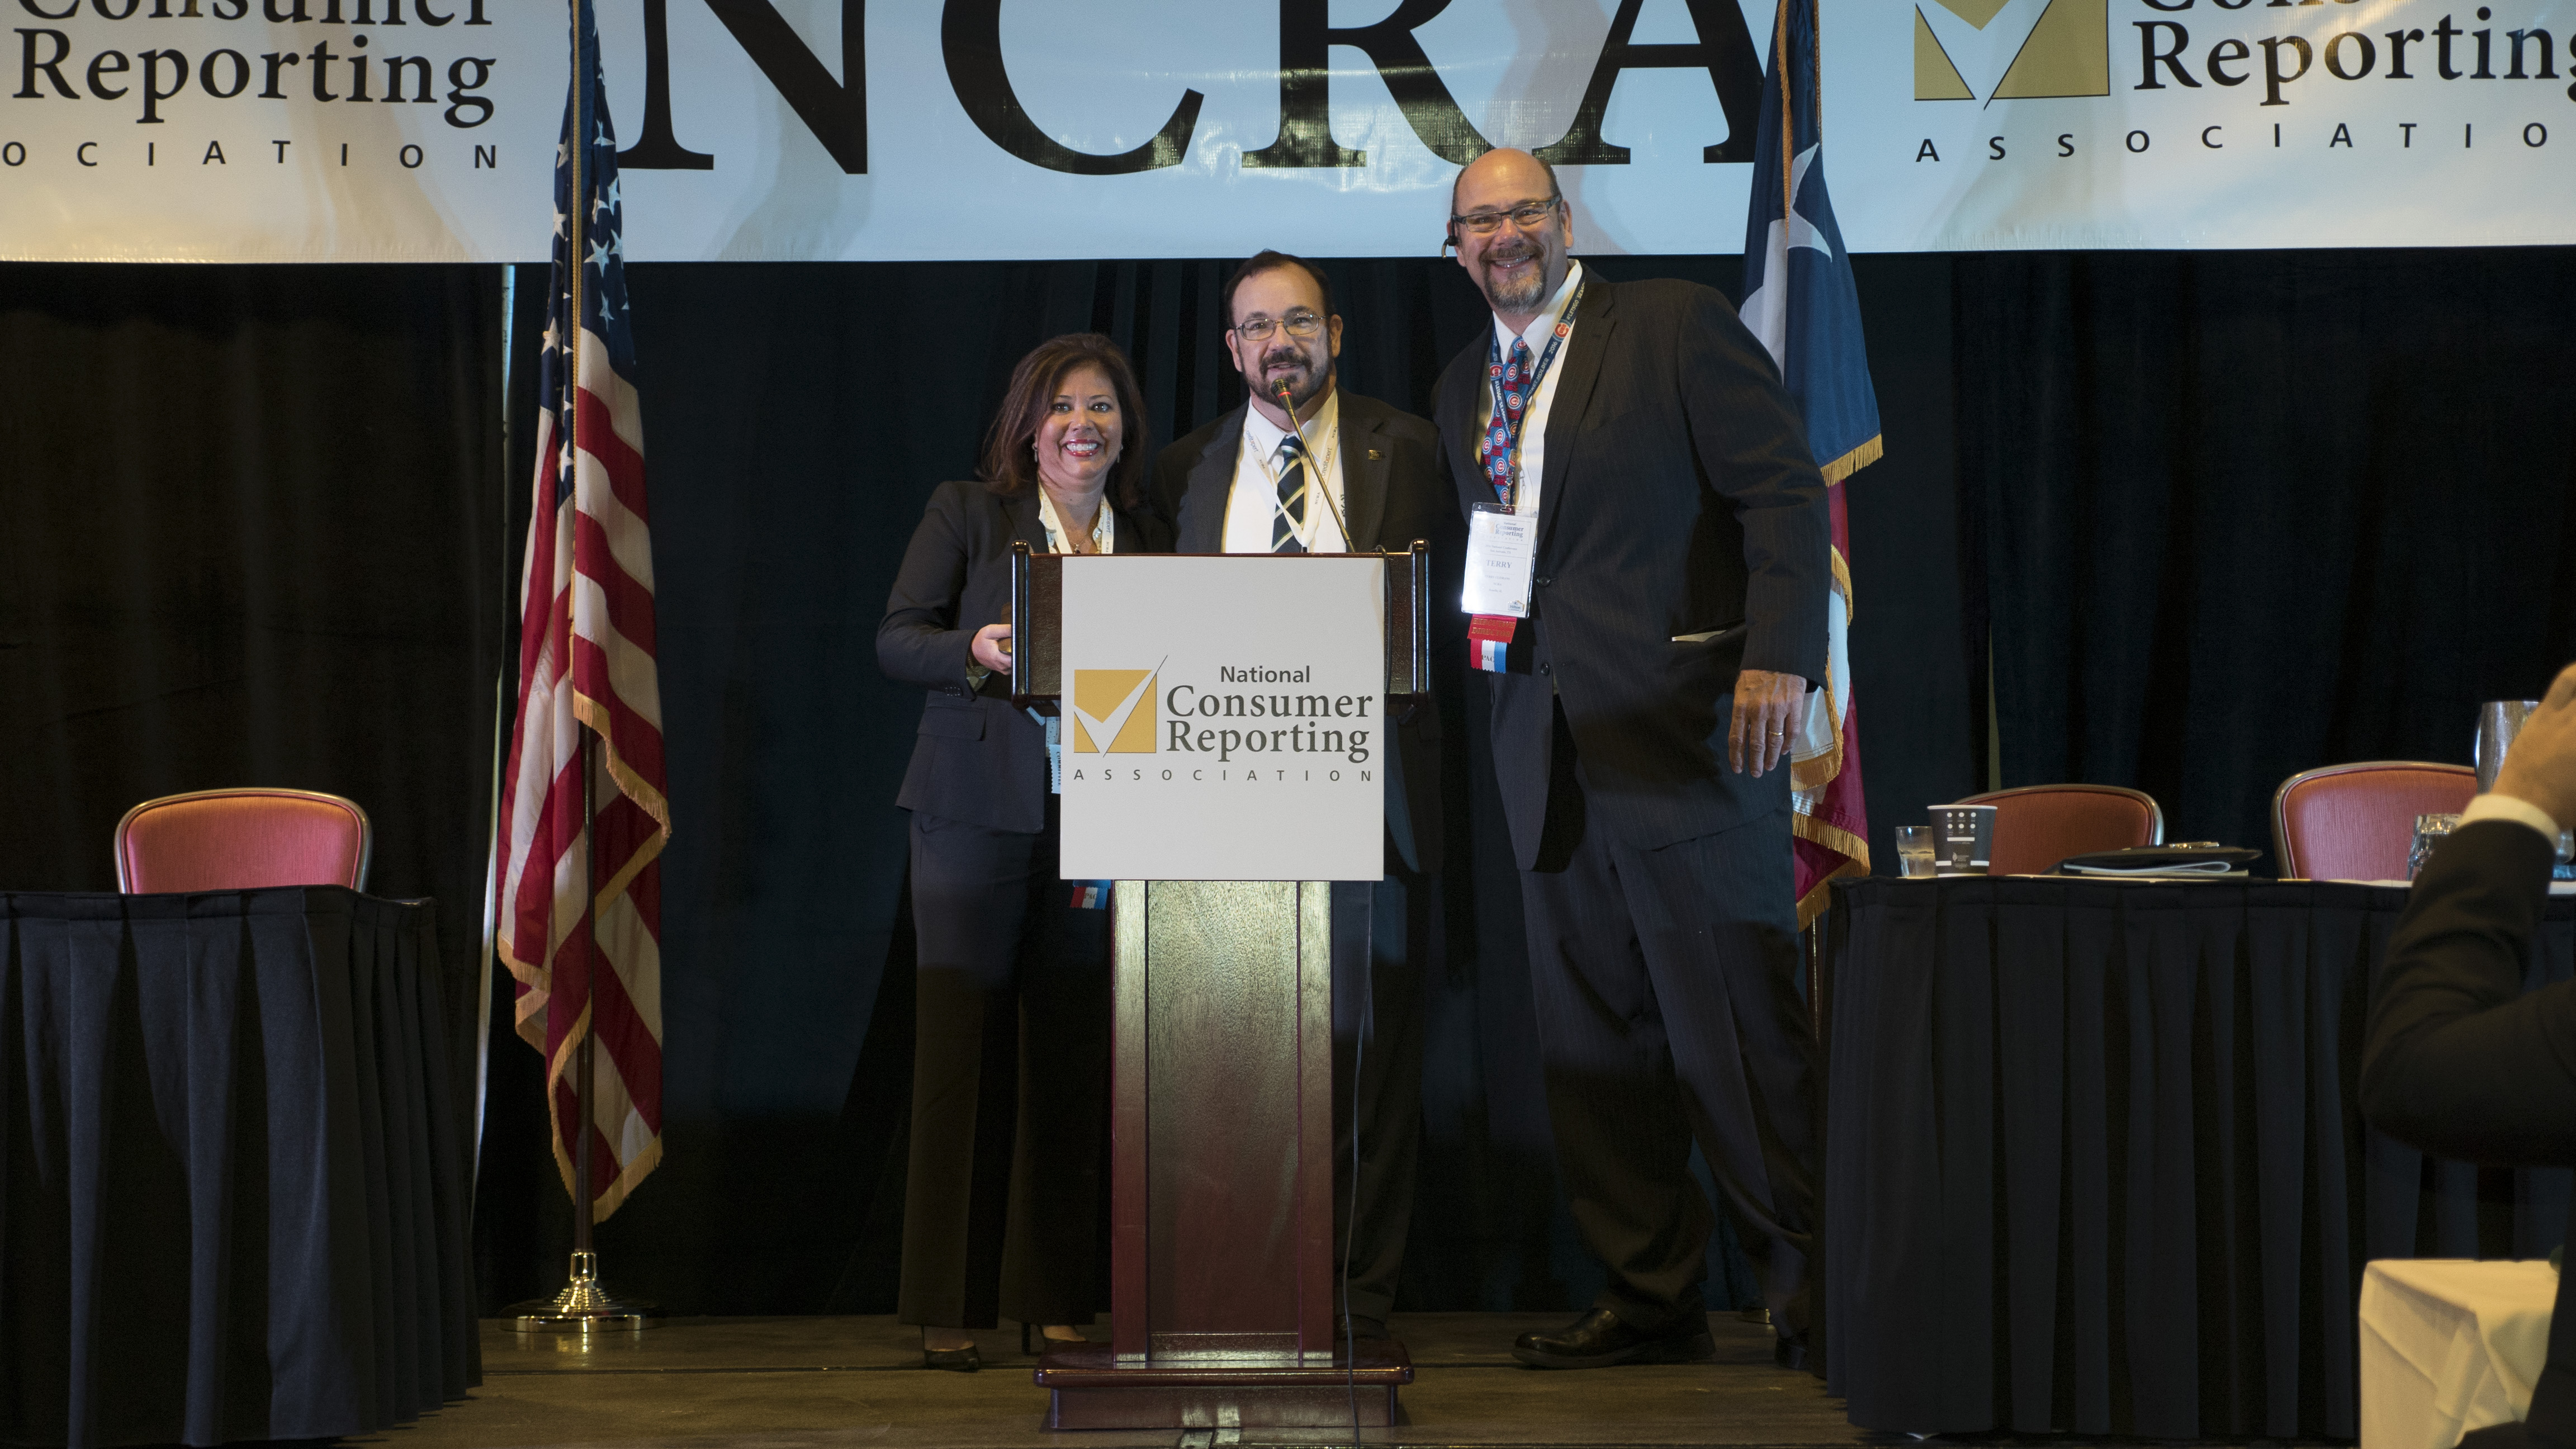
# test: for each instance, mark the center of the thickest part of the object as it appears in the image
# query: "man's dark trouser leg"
(1383, 940)
(1666, 996)
(1719, 929)
(1622, 1142)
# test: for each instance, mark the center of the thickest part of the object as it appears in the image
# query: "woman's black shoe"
(959, 1360)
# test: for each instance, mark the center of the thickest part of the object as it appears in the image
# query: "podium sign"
(1224, 717)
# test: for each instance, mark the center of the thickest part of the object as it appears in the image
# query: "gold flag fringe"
(1853, 849)
(595, 714)
(1855, 460)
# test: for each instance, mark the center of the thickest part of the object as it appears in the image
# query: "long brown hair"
(1010, 465)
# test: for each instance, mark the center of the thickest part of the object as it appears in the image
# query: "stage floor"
(794, 1382)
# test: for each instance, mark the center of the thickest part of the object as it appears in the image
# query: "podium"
(1224, 1287)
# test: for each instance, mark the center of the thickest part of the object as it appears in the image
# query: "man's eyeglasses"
(1300, 323)
(1526, 216)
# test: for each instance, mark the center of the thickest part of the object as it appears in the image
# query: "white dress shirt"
(2492, 806)
(1104, 525)
(1252, 505)
(1534, 417)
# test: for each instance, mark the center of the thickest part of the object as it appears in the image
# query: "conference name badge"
(1502, 547)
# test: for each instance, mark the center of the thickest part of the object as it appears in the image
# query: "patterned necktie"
(1503, 434)
(1290, 520)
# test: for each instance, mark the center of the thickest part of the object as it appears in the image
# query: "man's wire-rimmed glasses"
(1300, 323)
(1526, 216)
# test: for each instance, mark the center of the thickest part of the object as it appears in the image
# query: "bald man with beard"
(1674, 622)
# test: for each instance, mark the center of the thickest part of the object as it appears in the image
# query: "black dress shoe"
(1791, 1353)
(1359, 1328)
(1601, 1338)
(956, 1360)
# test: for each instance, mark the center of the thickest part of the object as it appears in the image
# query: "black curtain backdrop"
(2251, 513)
(2222, 516)
(250, 534)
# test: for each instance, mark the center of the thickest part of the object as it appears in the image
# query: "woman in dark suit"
(1013, 998)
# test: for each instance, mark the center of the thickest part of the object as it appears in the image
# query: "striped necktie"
(1290, 520)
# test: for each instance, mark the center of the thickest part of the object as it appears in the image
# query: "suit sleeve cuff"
(2492, 806)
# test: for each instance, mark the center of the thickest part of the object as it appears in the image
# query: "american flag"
(586, 672)
(1801, 299)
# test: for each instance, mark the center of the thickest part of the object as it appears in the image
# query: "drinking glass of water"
(1914, 851)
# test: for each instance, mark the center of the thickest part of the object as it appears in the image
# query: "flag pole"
(582, 1306)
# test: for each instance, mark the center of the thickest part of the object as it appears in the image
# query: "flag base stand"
(582, 1307)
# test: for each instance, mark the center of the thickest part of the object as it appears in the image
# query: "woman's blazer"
(977, 759)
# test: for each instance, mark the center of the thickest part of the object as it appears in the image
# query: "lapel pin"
(1375, 455)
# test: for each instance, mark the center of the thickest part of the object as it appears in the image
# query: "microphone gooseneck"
(1314, 464)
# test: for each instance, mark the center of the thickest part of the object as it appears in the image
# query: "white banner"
(1996, 124)
(424, 130)
(1242, 737)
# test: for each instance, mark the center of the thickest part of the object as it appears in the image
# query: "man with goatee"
(1350, 474)
(1650, 532)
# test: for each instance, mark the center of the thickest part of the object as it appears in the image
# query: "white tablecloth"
(2449, 1345)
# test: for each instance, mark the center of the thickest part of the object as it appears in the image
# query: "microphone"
(1315, 465)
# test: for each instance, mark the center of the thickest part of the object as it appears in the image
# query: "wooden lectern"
(1224, 1289)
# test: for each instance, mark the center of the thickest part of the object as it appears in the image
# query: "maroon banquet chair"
(229, 840)
(2036, 826)
(2357, 822)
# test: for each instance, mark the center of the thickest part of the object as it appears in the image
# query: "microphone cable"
(1351, 1217)
(1368, 977)
(1316, 482)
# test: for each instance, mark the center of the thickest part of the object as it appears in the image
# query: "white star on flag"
(1766, 310)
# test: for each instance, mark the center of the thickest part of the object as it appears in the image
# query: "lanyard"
(1538, 373)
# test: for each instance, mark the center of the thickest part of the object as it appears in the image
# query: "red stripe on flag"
(637, 742)
(532, 912)
(630, 604)
(646, 892)
(623, 1034)
(625, 466)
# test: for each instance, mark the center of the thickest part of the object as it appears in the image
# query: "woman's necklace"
(1078, 540)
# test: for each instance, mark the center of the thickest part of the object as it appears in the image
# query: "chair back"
(2036, 826)
(2357, 822)
(228, 840)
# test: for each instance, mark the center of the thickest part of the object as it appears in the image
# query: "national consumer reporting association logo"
(1992, 50)
(1116, 705)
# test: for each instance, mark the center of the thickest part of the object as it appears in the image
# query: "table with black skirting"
(2094, 1160)
(234, 1192)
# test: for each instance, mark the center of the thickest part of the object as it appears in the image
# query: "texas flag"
(1800, 299)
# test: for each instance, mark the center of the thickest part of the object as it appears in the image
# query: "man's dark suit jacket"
(1677, 495)
(977, 759)
(2461, 1063)
(1392, 494)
